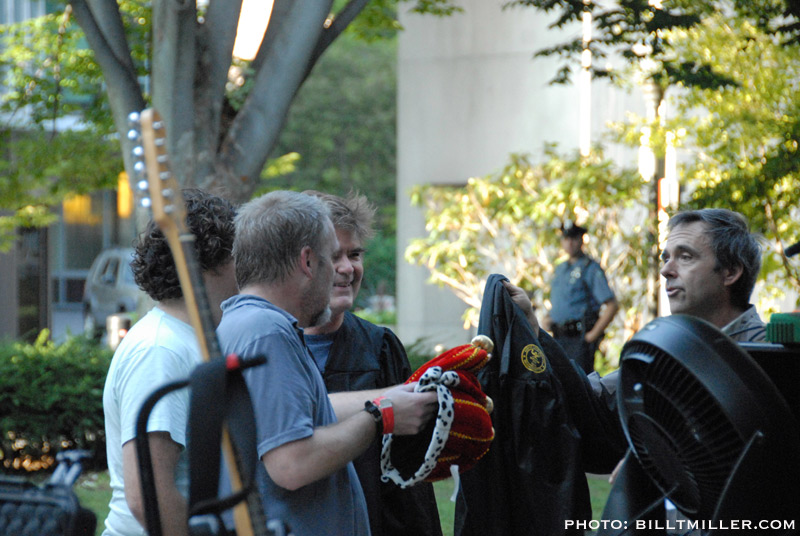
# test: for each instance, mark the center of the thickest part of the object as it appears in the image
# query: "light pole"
(585, 84)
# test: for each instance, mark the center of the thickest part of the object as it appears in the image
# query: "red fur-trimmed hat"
(462, 431)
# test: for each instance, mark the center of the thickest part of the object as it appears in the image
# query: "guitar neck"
(196, 299)
(169, 212)
(250, 517)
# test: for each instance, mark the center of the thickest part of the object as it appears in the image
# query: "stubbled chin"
(322, 318)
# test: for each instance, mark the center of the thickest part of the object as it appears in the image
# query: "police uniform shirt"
(578, 287)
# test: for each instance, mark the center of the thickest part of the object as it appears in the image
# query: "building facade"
(43, 274)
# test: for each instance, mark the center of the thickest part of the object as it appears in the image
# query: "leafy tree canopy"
(747, 135)
(56, 129)
(634, 30)
(742, 139)
(342, 126)
(628, 29)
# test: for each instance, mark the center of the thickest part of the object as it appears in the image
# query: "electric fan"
(707, 425)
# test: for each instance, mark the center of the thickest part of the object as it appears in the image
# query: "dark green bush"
(51, 399)
(383, 318)
(419, 353)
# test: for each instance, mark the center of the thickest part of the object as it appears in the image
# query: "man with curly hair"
(160, 348)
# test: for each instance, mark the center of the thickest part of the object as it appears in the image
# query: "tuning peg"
(142, 185)
(145, 202)
(134, 117)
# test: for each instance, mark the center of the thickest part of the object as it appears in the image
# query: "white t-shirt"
(158, 349)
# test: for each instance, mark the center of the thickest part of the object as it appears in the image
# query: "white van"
(110, 289)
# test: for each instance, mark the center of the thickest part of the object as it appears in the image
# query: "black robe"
(366, 356)
(550, 428)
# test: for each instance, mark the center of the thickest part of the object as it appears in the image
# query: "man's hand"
(297, 463)
(607, 312)
(520, 297)
(412, 411)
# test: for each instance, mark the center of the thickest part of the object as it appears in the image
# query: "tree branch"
(106, 37)
(280, 10)
(285, 53)
(102, 25)
(173, 77)
(215, 40)
(329, 34)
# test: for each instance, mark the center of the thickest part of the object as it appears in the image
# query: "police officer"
(582, 303)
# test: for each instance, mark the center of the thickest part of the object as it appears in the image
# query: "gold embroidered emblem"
(533, 359)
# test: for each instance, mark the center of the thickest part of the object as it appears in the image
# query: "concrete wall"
(469, 94)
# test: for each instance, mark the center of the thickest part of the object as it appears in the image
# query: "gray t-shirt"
(290, 400)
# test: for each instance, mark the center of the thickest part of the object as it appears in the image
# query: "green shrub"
(419, 353)
(51, 399)
(382, 318)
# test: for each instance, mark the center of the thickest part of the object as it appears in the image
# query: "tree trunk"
(190, 63)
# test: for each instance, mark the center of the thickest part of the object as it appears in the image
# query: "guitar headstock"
(166, 200)
(139, 178)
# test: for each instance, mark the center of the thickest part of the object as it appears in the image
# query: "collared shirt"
(747, 327)
(290, 401)
(577, 289)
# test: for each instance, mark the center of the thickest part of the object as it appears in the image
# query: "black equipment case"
(48, 510)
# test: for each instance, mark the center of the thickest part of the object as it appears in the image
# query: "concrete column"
(470, 93)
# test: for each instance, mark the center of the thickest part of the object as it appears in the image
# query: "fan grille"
(681, 435)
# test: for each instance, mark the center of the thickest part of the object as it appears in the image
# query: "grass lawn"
(94, 493)
(598, 489)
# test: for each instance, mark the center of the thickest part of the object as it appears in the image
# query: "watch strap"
(373, 409)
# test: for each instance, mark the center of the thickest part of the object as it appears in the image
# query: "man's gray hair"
(272, 230)
(353, 214)
(733, 245)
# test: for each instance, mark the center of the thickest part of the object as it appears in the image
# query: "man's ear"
(731, 275)
(307, 260)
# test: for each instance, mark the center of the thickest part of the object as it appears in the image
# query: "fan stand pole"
(634, 497)
(750, 494)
